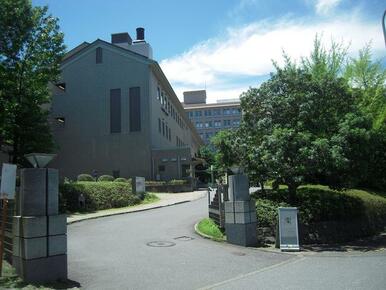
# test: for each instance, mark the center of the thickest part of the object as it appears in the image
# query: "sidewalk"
(166, 199)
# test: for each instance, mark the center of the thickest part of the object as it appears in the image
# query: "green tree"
(31, 49)
(367, 79)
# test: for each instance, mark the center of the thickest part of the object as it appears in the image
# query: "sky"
(224, 46)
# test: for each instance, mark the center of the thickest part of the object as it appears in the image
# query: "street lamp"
(39, 160)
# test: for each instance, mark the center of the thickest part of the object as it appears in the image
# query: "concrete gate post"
(240, 213)
(39, 232)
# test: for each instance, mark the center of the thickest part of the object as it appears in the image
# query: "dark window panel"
(115, 111)
(135, 109)
(99, 55)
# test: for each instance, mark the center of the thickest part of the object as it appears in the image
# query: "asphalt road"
(158, 249)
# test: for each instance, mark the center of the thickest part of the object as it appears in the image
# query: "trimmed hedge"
(85, 177)
(121, 179)
(105, 178)
(326, 215)
(98, 195)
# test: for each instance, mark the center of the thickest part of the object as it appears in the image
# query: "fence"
(216, 198)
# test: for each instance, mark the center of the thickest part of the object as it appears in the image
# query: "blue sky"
(223, 46)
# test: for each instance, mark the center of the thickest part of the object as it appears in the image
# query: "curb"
(205, 236)
(132, 211)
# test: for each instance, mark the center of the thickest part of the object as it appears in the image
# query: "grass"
(10, 280)
(209, 228)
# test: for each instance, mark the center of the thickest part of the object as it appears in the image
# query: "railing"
(216, 198)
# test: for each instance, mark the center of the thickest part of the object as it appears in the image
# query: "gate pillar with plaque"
(240, 213)
(288, 229)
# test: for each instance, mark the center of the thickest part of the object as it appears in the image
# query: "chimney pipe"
(140, 33)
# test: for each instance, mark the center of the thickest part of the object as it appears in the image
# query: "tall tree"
(31, 49)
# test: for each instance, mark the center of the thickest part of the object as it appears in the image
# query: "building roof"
(210, 106)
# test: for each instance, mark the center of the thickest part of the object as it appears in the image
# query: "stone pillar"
(240, 213)
(39, 232)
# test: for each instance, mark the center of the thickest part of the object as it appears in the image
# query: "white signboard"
(288, 229)
(139, 184)
(8, 181)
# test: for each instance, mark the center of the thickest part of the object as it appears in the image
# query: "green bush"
(178, 182)
(121, 179)
(85, 177)
(267, 213)
(321, 207)
(154, 183)
(98, 195)
(105, 178)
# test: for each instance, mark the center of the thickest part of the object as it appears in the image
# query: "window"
(161, 168)
(227, 123)
(236, 123)
(197, 113)
(217, 124)
(190, 114)
(199, 125)
(227, 111)
(115, 110)
(163, 128)
(167, 132)
(135, 109)
(170, 135)
(236, 111)
(159, 125)
(208, 124)
(61, 86)
(216, 112)
(208, 113)
(99, 55)
(158, 94)
(61, 120)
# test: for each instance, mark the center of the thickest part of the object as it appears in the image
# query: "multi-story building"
(211, 118)
(114, 112)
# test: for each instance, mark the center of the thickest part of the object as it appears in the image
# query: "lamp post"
(384, 25)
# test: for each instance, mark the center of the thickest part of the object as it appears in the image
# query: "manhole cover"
(184, 238)
(161, 244)
(238, 254)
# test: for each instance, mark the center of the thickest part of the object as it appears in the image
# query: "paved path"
(165, 199)
(114, 253)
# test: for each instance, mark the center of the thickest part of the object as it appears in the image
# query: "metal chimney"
(140, 33)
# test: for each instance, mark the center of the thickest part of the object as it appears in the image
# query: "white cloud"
(248, 51)
(324, 7)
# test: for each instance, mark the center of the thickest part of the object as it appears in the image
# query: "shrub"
(99, 195)
(85, 177)
(121, 179)
(178, 182)
(325, 213)
(105, 178)
(154, 183)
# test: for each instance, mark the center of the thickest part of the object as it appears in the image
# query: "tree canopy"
(31, 49)
(312, 121)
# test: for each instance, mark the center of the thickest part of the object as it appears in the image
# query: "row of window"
(218, 124)
(165, 130)
(214, 112)
(168, 108)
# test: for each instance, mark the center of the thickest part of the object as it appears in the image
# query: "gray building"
(115, 112)
(211, 118)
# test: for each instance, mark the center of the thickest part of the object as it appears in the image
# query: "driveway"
(158, 249)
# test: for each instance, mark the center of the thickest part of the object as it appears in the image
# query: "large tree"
(305, 125)
(31, 49)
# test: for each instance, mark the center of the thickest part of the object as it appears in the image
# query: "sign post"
(288, 229)
(7, 191)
